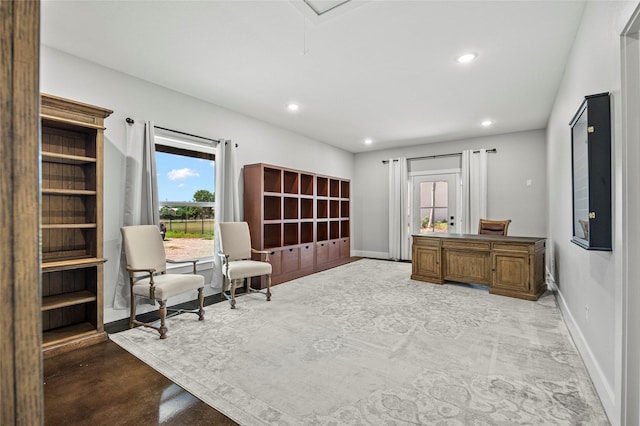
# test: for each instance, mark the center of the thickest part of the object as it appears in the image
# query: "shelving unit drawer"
(334, 249)
(307, 256)
(290, 259)
(275, 258)
(322, 252)
(345, 248)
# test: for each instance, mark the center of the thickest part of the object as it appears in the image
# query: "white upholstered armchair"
(147, 267)
(237, 265)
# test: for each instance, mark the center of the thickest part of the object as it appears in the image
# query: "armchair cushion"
(168, 285)
(245, 268)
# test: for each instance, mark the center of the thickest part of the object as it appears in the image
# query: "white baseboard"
(604, 390)
(372, 254)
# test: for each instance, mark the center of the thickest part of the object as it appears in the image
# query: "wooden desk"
(510, 266)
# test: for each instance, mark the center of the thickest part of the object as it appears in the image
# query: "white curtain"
(399, 244)
(474, 189)
(227, 204)
(140, 203)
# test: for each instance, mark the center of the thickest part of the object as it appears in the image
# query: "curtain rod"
(428, 157)
(131, 121)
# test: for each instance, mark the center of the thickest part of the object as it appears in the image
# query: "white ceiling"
(379, 69)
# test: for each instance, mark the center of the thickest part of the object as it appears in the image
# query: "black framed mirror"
(591, 173)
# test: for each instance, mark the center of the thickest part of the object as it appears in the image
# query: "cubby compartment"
(306, 232)
(344, 228)
(322, 184)
(323, 209)
(290, 208)
(272, 180)
(334, 230)
(306, 184)
(334, 188)
(334, 208)
(306, 208)
(290, 234)
(344, 189)
(290, 182)
(272, 208)
(344, 208)
(322, 231)
(272, 233)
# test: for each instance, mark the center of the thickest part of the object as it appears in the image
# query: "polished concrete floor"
(105, 385)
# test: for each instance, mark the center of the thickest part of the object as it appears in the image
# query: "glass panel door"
(433, 204)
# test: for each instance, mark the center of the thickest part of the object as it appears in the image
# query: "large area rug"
(363, 344)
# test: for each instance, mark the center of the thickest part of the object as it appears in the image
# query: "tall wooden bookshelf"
(71, 224)
(300, 217)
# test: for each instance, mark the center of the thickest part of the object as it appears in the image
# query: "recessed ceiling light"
(293, 107)
(368, 141)
(467, 57)
(486, 123)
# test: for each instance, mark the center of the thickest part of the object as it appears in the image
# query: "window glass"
(186, 192)
(434, 206)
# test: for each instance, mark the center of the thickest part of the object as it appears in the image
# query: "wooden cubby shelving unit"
(302, 218)
(71, 224)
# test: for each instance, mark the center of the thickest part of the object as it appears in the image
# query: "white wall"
(520, 157)
(74, 78)
(589, 279)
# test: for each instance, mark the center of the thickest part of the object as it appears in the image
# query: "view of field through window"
(186, 192)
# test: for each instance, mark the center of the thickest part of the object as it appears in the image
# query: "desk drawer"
(520, 248)
(426, 241)
(466, 245)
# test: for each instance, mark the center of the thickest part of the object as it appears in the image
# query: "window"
(186, 192)
(434, 203)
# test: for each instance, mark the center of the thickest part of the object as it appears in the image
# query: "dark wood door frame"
(21, 392)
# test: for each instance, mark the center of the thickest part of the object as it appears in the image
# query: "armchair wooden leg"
(268, 287)
(201, 305)
(163, 315)
(132, 302)
(233, 294)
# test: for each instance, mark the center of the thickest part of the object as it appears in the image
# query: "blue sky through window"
(179, 177)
